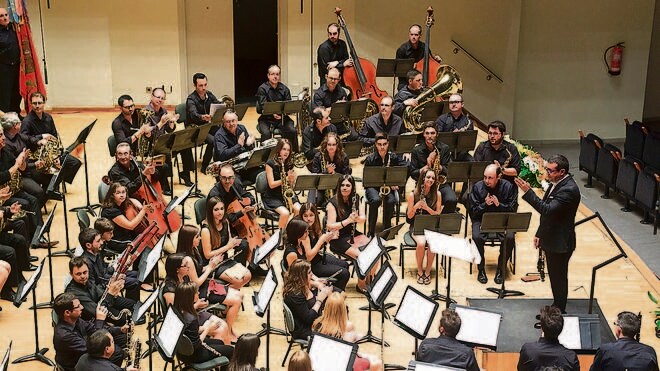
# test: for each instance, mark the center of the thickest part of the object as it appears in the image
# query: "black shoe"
(186, 179)
(481, 277)
(498, 277)
(167, 193)
(31, 268)
(54, 195)
(8, 295)
(34, 258)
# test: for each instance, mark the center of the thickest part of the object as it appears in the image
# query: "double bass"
(428, 64)
(360, 78)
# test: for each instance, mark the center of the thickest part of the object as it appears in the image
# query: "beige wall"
(652, 96)
(549, 53)
(562, 83)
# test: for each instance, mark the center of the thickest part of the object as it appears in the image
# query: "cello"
(360, 78)
(428, 64)
(247, 225)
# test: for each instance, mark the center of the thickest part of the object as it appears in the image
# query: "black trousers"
(374, 201)
(35, 189)
(479, 239)
(288, 130)
(333, 265)
(31, 203)
(449, 199)
(10, 95)
(558, 273)
(8, 254)
(20, 246)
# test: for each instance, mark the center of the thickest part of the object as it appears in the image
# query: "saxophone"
(385, 189)
(329, 193)
(304, 118)
(508, 159)
(134, 351)
(287, 190)
(439, 178)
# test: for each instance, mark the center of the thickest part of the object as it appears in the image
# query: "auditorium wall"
(548, 53)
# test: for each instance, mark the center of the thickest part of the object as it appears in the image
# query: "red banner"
(30, 77)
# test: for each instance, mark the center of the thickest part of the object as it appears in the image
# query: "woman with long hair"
(304, 303)
(305, 241)
(344, 212)
(300, 361)
(219, 240)
(425, 199)
(273, 199)
(205, 348)
(334, 322)
(331, 159)
(178, 269)
(115, 207)
(245, 353)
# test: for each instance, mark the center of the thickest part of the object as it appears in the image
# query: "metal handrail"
(490, 73)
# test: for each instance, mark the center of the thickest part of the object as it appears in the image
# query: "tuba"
(304, 118)
(449, 82)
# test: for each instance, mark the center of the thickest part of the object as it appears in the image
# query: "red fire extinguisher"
(616, 57)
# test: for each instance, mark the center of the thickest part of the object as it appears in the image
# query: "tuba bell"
(449, 82)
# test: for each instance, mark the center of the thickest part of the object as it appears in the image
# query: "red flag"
(30, 77)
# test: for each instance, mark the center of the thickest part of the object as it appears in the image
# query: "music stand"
(147, 265)
(190, 138)
(176, 201)
(458, 141)
(22, 292)
(468, 172)
(5, 360)
(261, 252)
(415, 314)
(163, 146)
(55, 182)
(137, 316)
(44, 232)
(431, 111)
(368, 257)
(581, 333)
(503, 223)
(328, 353)
(443, 225)
(169, 334)
(261, 300)
(403, 143)
(421, 366)
(82, 139)
(258, 157)
(394, 68)
(282, 108)
(388, 235)
(479, 327)
(353, 149)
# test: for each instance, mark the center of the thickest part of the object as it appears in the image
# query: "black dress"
(342, 244)
(303, 314)
(224, 239)
(202, 350)
(120, 233)
(169, 287)
(272, 198)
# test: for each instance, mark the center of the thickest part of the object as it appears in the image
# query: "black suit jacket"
(556, 231)
(625, 354)
(546, 352)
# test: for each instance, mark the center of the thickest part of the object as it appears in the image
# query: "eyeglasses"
(333, 78)
(129, 107)
(227, 179)
(455, 101)
(551, 171)
(37, 103)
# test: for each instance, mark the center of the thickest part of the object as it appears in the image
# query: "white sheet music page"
(169, 332)
(268, 246)
(427, 367)
(415, 311)
(478, 326)
(329, 355)
(570, 335)
(214, 107)
(378, 288)
(147, 303)
(30, 282)
(368, 255)
(454, 247)
(266, 291)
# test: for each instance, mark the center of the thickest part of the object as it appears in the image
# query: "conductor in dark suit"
(547, 351)
(556, 233)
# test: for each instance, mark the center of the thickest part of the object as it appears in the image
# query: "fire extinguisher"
(614, 67)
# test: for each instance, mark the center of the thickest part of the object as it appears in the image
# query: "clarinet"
(540, 265)
(355, 207)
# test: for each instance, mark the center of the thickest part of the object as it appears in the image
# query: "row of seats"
(634, 175)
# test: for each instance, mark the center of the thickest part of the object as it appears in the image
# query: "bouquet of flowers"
(532, 165)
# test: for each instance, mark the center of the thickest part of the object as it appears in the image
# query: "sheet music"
(214, 107)
(431, 367)
(145, 306)
(570, 335)
(262, 251)
(28, 285)
(478, 326)
(415, 311)
(378, 288)
(152, 258)
(169, 333)
(329, 355)
(368, 255)
(455, 247)
(266, 292)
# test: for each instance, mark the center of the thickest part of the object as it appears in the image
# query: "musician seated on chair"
(330, 160)
(425, 199)
(547, 351)
(406, 96)
(275, 91)
(425, 156)
(413, 49)
(445, 350)
(281, 177)
(90, 293)
(198, 108)
(101, 350)
(345, 211)
(125, 125)
(71, 332)
(492, 195)
(383, 122)
(455, 120)
(499, 151)
(382, 157)
(100, 272)
(231, 140)
(162, 123)
(332, 53)
(332, 92)
(125, 213)
(131, 174)
(316, 131)
(228, 189)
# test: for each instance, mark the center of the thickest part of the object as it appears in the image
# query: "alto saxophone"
(287, 190)
(144, 142)
(439, 178)
(329, 193)
(385, 189)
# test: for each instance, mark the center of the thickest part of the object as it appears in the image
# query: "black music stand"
(261, 300)
(447, 224)
(415, 313)
(187, 138)
(140, 312)
(23, 290)
(320, 182)
(259, 157)
(328, 353)
(370, 255)
(54, 189)
(167, 338)
(176, 201)
(403, 143)
(480, 327)
(431, 111)
(82, 139)
(353, 149)
(239, 110)
(458, 141)
(468, 173)
(581, 333)
(44, 232)
(394, 68)
(348, 110)
(163, 146)
(5, 360)
(282, 108)
(503, 223)
(377, 176)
